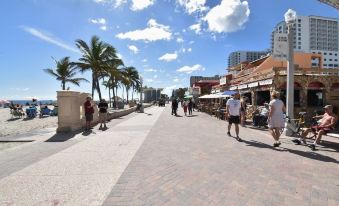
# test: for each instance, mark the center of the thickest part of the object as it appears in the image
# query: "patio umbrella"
(229, 92)
(2, 101)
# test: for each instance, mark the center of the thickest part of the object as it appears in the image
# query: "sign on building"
(196, 91)
(280, 46)
(223, 81)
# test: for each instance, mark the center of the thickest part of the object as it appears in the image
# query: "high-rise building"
(314, 34)
(152, 94)
(237, 57)
(194, 79)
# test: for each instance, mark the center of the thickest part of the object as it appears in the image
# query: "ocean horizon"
(24, 102)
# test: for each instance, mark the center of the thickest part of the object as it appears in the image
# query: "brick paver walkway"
(191, 161)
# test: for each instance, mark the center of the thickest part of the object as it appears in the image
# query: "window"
(299, 47)
(335, 65)
(299, 38)
(296, 96)
(325, 65)
(325, 53)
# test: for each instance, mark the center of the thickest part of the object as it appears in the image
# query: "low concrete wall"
(117, 114)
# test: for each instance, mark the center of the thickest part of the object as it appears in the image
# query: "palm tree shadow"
(193, 115)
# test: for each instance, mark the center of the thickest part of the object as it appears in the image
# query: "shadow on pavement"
(149, 114)
(193, 115)
(311, 155)
(61, 137)
(257, 144)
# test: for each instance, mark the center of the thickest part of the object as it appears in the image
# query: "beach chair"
(16, 113)
(45, 112)
(31, 112)
(54, 112)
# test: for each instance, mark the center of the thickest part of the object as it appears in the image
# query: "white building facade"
(314, 34)
(237, 57)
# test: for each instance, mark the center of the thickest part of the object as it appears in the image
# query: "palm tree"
(65, 72)
(95, 57)
(131, 79)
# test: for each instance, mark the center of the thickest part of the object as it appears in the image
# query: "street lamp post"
(290, 18)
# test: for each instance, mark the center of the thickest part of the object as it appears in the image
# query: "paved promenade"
(159, 159)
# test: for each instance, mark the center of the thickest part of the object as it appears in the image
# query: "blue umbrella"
(229, 92)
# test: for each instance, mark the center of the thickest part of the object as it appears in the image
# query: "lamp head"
(290, 16)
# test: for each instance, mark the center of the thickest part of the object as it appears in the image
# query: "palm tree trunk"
(109, 96)
(63, 84)
(98, 88)
(126, 94)
(93, 86)
(114, 102)
(132, 93)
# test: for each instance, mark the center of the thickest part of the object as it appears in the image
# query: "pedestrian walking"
(103, 106)
(276, 121)
(185, 106)
(190, 107)
(174, 107)
(233, 106)
(89, 110)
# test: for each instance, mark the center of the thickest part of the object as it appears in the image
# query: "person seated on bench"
(260, 116)
(327, 123)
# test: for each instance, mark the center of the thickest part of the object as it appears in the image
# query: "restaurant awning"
(242, 86)
(253, 84)
(233, 87)
(266, 82)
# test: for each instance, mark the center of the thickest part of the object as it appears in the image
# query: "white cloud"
(153, 32)
(189, 49)
(180, 40)
(191, 42)
(104, 28)
(192, 6)
(196, 28)
(149, 80)
(48, 38)
(176, 80)
(168, 90)
(183, 50)
(188, 69)
(114, 3)
(101, 21)
(144, 60)
(21, 89)
(155, 76)
(133, 48)
(141, 4)
(229, 16)
(168, 57)
(150, 70)
(119, 56)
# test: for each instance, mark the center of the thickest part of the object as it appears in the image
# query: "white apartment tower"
(237, 57)
(314, 34)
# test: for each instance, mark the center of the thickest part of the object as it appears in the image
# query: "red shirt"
(88, 107)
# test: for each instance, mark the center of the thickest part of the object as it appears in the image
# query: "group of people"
(276, 120)
(187, 105)
(89, 111)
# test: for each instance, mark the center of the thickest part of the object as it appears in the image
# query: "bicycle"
(296, 125)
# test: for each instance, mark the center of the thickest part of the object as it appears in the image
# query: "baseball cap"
(327, 106)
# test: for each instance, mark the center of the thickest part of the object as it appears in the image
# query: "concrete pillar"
(69, 111)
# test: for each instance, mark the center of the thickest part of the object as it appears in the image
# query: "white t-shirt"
(234, 107)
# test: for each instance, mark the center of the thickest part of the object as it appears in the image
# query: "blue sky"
(166, 40)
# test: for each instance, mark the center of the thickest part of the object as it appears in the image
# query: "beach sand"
(11, 127)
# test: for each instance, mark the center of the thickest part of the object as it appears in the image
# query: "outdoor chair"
(17, 113)
(31, 112)
(54, 112)
(45, 112)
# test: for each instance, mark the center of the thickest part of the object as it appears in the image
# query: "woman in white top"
(276, 121)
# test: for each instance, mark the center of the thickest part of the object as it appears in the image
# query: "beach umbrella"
(2, 101)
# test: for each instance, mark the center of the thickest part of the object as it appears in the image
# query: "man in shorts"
(233, 107)
(89, 110)
(103, 106)
(327, 123)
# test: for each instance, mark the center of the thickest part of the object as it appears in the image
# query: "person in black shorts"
(103, 106)
(233, 106)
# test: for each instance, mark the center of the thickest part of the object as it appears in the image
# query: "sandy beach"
(15, 126)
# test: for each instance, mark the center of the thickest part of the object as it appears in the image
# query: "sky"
(167, 41)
